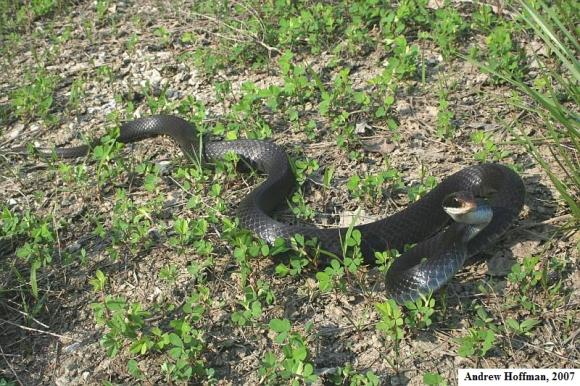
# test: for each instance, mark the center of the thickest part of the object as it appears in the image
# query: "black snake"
(439, 252)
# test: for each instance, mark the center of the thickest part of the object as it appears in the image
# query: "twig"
(27, 315)
(40, 331)
(254, 12)
(545, 222)
(10, 367)
(239, 31)
(571, 337)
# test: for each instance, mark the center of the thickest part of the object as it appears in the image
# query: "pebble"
(72, 347)
(164, 167)
(173, 94)
(15, 132)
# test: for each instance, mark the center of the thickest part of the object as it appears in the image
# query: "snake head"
(459, 203)
(465, 208)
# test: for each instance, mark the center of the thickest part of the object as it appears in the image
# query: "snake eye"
(453, 202)
(457, 203)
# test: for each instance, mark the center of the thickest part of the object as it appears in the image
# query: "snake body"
(439, 251)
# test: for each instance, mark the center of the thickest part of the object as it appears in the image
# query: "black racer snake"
(440, 251)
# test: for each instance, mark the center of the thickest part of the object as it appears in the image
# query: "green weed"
(331, 277)
(434, 379)
(346, 375)
(38, 249)
(36, 98)
(483, 18)
(126, 323)
(561, 123)
(524, 328)
(403, 64)
(490, 151)
(391, 323)
(294, 365)
(420, 312)
(448, 28)
(306, 251)
(16, 15)
(445, 126)
(303, 168)
(477, 342)
(371, 187)
(299, 206)
(168, 273)
(77, 92)
(503, 56)
(102, 7)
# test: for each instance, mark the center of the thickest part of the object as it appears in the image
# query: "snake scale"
(439, 251)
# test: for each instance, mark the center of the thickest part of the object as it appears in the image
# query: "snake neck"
(478, 220)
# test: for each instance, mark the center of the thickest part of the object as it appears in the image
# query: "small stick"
(10, 367)
(545, 222)
(40, 331)
(27, 315)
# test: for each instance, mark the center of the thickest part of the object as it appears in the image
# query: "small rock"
(164, 167)
(109, 107)
(157, 295)
(33, 127)
(173, 94)
(481, 78)
(15, 132)
(72, 347)
(361, 127)
(151, 77)
(431, 110)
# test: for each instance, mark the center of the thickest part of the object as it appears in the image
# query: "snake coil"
(439, 251)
